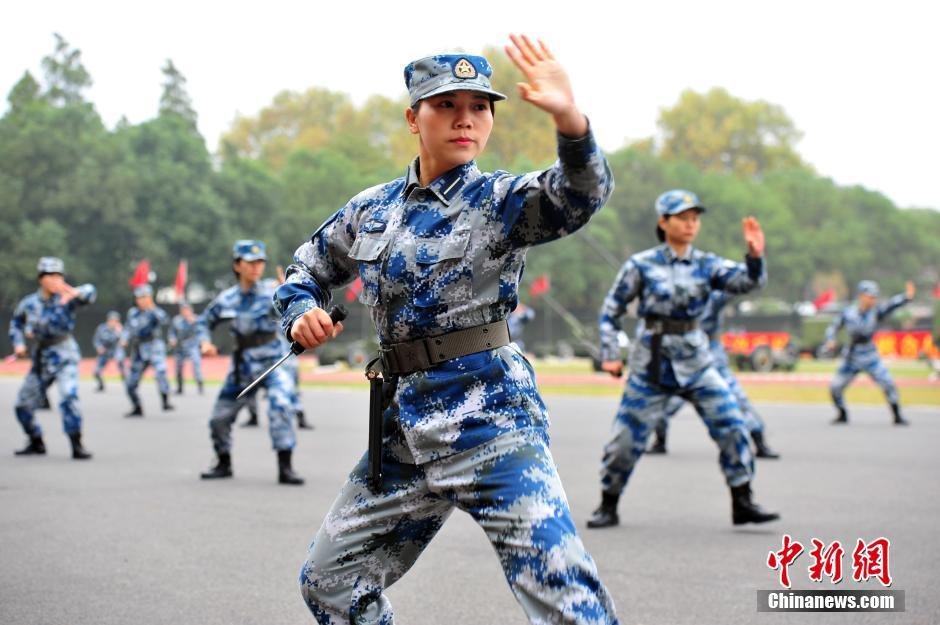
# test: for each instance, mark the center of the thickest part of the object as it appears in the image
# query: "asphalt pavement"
(134, 536)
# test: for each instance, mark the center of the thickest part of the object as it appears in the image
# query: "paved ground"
(135, 537)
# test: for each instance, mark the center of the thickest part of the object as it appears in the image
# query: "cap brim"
(698, 208)
(251, 257)
(495, 95)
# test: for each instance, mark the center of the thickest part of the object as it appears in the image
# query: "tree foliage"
(103, 199)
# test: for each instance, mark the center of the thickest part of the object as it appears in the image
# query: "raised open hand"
(753, 237)
(547, 85)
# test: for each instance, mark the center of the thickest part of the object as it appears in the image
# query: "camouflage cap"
(113, 314)
(434, 75)
(249, 249)
(676, 201)
(867, 287)
(50, 264)
(143, 290)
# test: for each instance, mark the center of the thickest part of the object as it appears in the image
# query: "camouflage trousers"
(851, 367)
(193, 355)
(752, 420)
(279, 387)
(643, 405)
(137, 369)
(102, 361)
(53, 370)
(510, 487)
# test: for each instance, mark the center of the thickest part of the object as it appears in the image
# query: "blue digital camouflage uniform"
(252, 317)
(675, 288)
(710, 323)
(55, 357)
(107, 343)
(472, 432)
(143, 338)
(184, 339)
(861, 354)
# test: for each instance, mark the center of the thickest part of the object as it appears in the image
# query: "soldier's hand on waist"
(613, 367)
(314, 328)
(208, 349)
(19, 351)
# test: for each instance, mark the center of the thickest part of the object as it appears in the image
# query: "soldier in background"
(143, 341)
(671, 355)
(249, 308)
(183, 337)
(107, 343)
(47, 317)
(860, 321)
(711, 324)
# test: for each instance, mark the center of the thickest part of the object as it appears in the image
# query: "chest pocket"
(367, 249)
(441, 276)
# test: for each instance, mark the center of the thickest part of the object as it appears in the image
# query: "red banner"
(745, 342)
(141, 274)
(182, 274)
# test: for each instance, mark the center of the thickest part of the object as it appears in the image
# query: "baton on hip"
(337, 314)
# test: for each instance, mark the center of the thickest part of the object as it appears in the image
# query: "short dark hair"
(660, 233)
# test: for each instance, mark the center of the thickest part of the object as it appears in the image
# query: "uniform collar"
(446, 186)
(672, 257)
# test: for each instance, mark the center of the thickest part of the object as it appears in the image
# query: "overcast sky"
(860, 79)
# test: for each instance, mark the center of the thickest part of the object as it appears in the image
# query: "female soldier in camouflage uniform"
(440, 253)
(48, 318)
(860, 321)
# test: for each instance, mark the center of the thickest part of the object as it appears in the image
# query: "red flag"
(182, 274)
(825, 298)
(936, 291)
(352, 291)
(540, 285)
(141, 274)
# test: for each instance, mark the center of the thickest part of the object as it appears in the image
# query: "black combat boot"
(179, 384)
(761, 447)
(136, 411)
(252, 421)
(659, 440)
(842, 418)
(166, 402)
(285, 473)
(898, 418)
(222, 468)
(100, 386)
(78, 451)
(743, 510)
(302, 422)
(606, 513)
(35, 447)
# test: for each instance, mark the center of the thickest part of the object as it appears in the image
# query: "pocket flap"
(367, 248)
(430, 251)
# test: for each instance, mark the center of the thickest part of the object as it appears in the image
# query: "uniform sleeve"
(321, 264)
(18, 326)
(833, 330)
(208, 319)
(888, 307)
(543, 206)
(87, 294)
(171, 333)
(129, 327)
(625, 288)
(733, 277)
(97, 340)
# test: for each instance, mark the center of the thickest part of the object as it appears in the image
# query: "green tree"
(716, 131)
(175, 99)
(65, 75)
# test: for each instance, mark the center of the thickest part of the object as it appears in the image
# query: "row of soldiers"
(46, 318)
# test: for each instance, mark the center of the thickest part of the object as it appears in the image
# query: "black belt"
(659, 326)
(861, 340)
(419, 354)
(44, 343)
(407, 357)
(257, 339)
